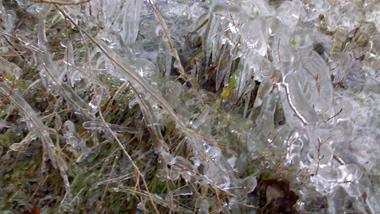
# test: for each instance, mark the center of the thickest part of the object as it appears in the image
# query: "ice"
(217, 170)
(127, 18)
(265, 120)
(204, 206)
(349, 175)
(341, 66)
(255, 35)
(234, 206)
(131, 20)
(75, 144)
(240, 166)
(282, 52)
(303, 37)
(99, 125)
(326, 180)
(289, 12)
(304, 106)
(249, 184)
(265, 89)
(174, 10)
(35, 125)
(297, 105)
(372, 13)
(316, 73)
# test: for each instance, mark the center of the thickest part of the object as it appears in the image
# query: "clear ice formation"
(317, 62)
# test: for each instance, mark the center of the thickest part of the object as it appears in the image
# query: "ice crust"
(314, 62)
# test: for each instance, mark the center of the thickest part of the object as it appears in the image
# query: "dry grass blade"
(129, 157)
(157, 199)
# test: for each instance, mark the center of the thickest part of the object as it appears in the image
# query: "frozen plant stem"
(287, 153)
(163, 24)
(139, 81)
(320, 143)
(69, 95)
(286, 87)
(41, 130)
(10, 92)
(150, 117)
(126, 154)
(319, 154)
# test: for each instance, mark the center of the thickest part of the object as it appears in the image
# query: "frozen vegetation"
(183, 106)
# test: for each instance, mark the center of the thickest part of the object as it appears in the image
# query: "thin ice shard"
(131, 20)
